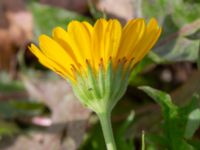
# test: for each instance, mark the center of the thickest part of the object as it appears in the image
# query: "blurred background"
(38, 110)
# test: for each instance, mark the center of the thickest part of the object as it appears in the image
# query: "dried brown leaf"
(122, 9)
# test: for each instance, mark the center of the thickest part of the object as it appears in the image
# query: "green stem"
(105, 121)
(143, 140)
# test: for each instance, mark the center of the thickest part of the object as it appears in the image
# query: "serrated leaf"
(173, 123)
(160, 97)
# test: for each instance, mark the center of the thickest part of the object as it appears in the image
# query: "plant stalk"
(105, 120)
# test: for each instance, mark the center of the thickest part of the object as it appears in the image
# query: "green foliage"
(8, 129)
(95, 139)
(195, 35)
(179, 42)
(15, 108)
(51, 18)
(94, 12)
(180, 123)
(193, 123)
(9, 85)
(124, 142)
(144, 63)
(198, 59)
(179, 19)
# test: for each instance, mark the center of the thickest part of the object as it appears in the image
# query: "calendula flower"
(97, 59)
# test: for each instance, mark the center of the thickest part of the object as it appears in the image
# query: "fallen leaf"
(121, 9)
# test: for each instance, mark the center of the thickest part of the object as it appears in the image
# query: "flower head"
(97, 59)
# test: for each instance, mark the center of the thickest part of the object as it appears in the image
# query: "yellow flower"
(97, 59)
(70, 49)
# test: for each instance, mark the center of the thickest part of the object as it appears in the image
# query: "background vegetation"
(38, 110)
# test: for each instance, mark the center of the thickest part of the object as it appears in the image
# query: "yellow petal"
(153, 33)
(148, 40)
(112, 40)
(132, 34)
(55, 52)
(49, 63)
(88, 27)
(82, 40)
(98, 45)
(63, 38)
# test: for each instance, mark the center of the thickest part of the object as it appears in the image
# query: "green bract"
(101, 91)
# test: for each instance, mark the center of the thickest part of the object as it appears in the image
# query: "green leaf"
(190, 117)
(173, 121)
(192, 104)
(123, 142)
(94, 12)
(13, 86)
(155, 141)
(182, 12)
(198, 59)
(8, 85)
(178, 22)
(173, 45)
(193, 123)
(160, 97)
(194, 36)
(94, 139)
(144, 63)
(195, 143)
(16, 108)
(170, 111)
(8, 128)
